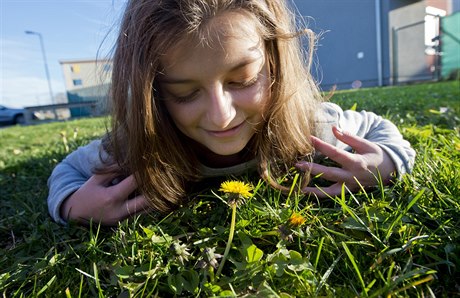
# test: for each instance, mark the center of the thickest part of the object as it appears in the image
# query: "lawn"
(396, 241)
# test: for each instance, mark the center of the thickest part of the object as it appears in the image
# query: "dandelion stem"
(230, 239)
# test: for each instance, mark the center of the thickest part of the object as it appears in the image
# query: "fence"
(93, 106)
(414, 58)
(450, 46)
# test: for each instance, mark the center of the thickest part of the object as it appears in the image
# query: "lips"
(228, 132)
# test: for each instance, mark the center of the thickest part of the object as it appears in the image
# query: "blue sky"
(71, 29)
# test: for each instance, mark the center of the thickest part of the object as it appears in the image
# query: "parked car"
(12, 116)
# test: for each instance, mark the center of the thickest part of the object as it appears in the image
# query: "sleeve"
(370, 127)
(69, 175)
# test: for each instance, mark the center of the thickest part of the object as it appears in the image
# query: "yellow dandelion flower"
(237, 188)
(236, 191)
(296, 220)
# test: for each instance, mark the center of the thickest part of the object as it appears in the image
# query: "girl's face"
(216, 92)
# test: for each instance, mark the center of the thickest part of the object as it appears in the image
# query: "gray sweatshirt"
(77, 167)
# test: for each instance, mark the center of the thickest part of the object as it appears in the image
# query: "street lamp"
(46, 64)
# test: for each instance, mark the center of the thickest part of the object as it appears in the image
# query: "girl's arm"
(365, 146)
(75, 193)
(69, 175)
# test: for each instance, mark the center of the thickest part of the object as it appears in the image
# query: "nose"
(221, 110)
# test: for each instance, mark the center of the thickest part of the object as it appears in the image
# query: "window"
(107, 67)
(75, 68)
(77, 82)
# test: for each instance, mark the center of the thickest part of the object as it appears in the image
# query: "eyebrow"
(240, 65)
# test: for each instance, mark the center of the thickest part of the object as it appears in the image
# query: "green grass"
(396, 241)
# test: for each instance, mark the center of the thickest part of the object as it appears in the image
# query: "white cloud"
(27, 91)
(22, 75)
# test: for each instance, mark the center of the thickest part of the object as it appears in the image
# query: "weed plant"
(401, 240)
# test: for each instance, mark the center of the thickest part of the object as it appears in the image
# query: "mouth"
(228, 132)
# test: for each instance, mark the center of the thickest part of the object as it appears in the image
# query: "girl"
(211, 88)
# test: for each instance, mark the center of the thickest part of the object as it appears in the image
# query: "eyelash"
(185, 99)
(249, 83)
(237, 85)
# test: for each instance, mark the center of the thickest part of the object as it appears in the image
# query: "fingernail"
(339, 130)
(303, 165)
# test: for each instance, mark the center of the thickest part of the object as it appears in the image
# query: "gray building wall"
(347, 49)
(355, 48)
(97, 94)
(408, 59)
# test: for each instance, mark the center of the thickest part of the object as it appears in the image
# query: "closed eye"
(245, 84)
(186, 98)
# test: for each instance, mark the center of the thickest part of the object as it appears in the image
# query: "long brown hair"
(144, 140)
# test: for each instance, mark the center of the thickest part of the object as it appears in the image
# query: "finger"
(103, 179)
(125, 187)
(360, 145)
(137, 205)
(324, 192)
(329, 173)
(336, 154)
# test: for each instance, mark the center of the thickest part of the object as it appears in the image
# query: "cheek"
(181, 114)
(185, 116)
(255, 100)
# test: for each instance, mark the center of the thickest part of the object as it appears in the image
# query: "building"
(86, 80)
(366, 43)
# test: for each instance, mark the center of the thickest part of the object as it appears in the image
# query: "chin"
(226, 151)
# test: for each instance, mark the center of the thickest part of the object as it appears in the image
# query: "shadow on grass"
(24, 214)
(29, 238)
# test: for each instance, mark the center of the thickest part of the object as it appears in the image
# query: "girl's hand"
(101, 202)
(364, 165)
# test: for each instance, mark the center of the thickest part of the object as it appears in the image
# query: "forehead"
(236, 24)
(229, 35)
